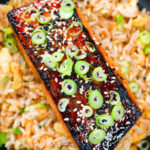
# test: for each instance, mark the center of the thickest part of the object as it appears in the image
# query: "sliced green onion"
(8, 31)
(27, 14)
(119, 19)
(98, 74)
(81, 67)
(81, 55)
(3, 138)
(118, 27)
(10, 44)
(145, 37)
(118, 112)
(66, 67)
(144, 145)
(114, 97)
(75, 28)
(47, 27)
(62, 104)
(95, 99)
(35, 106)
(57, 56)
(87, 93)
(147, 50)
(104, 121)
(67, 5)
(125, 68)
(16, 130)
(90, 46)
(97, 136)
(72, 50)
(133, 87)
(64, 14)
(38, 37)
(47, 60)
(44, 20)
(87, 111)
(69, 87)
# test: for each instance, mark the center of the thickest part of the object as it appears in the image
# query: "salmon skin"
(74, 32)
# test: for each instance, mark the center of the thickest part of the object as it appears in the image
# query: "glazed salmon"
(84, 88)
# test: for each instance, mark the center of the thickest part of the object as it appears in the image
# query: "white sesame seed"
(56, 80)
(78, 119)
(66, 119)
(75, 110)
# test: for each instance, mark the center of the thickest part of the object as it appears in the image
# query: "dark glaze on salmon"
(58, 39)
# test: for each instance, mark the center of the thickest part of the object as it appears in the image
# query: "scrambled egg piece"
(5, 59)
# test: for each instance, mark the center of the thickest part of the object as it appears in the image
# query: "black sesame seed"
(75, 40)
(74, 100)
(30, 26)
(35, 54)
(121, 78)
(56, 48)
(74, 105)
(54, 90)
(22, 23)
(65, 42)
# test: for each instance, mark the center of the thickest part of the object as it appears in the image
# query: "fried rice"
(19, 88)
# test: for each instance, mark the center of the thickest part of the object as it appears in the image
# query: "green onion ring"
(69, 87)
(72, 50)
(43, 20)
(47, 59)
(82, 55)
(90, 46)
(62, 104)
(114, 97)
(97, 136)
(95, 99)
(57, 56)
(118, 112)
(72, 26)
(98, 74)
(67, 5)
(104, 121)
(29, 10)
(64, 14)
(38, 37)
(66, 67)
(87, 111)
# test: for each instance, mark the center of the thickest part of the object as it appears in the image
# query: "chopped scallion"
(133, 87)
(145, 37)
(104, 121)
(147, 50)
(16, 130)
(69, 87)
(119, 19)
(3, 138)
(8, 31)
(97, 136)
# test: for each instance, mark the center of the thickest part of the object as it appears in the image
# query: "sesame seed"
(66, 119)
